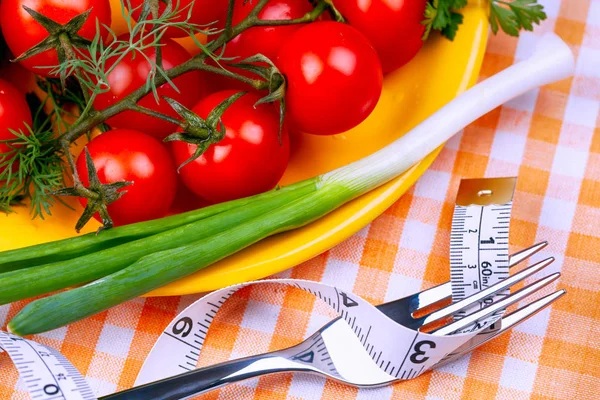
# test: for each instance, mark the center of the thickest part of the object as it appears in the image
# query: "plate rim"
(381, 199)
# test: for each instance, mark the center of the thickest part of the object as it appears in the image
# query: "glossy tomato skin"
(22, 32)
(132, 73)
(186, 200)
(14, 114)
(204, 12)
(18, 76)
(266, 40)
(129, 155)
(334, 78)
(392, 26)
(249, 160)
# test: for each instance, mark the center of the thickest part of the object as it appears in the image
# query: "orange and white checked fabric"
(549, 138)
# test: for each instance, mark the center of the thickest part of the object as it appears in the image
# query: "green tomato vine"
(34, 167)
(86, 64)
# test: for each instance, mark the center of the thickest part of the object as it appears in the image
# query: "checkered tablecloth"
(549, 138)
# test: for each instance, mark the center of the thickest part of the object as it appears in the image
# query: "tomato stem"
(257, 84)
(229, 19)
(308, 17)
(335, 14)
(91, 118)
(198, 62)
(156, 114)
(67, 47)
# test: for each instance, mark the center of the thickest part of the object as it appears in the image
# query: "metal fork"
(325, 339)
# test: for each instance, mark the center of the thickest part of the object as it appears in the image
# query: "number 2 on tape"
(383, 348)
(479, 240)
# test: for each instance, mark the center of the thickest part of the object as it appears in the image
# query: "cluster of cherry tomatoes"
(333, 73)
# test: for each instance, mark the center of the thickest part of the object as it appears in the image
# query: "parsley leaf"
(441, 15)
(515, 15)
(510, 16)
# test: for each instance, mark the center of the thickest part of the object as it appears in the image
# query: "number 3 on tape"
(479, 240)
(379, 345)
(363, 335)
(384, 349)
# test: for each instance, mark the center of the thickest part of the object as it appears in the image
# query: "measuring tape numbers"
(392, 349)
(46, 373)
(479, 240)
(385, 350)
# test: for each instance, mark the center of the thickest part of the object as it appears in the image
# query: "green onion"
(552, 61)
(169, 265)
(34, 281)
(66, 249)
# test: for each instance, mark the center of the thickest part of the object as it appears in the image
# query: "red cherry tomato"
(334, 78)
(186, 200)
(22, 32)
(132, 73)
(129, 155)
(203, 12)
(14, 114)
(265, 40)
(392, 26)
(249, 160)
(19, 76)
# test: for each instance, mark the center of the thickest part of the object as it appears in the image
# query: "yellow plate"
(441, 70)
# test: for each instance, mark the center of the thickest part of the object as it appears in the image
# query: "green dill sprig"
(31, 169)
(89, 67)
(63, 101)
(100, 59)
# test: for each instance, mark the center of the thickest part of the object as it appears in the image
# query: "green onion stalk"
(46, 278)
(77, 246)
(552, 61)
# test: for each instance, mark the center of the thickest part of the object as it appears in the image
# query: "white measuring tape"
(479, 240)
(387, 349)
(398, 351)
(47, 374)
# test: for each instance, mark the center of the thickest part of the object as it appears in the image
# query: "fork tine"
(479, 296)
(438, 293)
(530, 309)
(508, 322)
(524, 254)
(502, 304)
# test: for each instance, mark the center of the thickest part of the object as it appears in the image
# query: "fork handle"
(202, 380)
